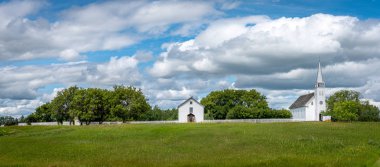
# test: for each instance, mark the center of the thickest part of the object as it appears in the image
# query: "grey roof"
(191, 98)
(301, 101)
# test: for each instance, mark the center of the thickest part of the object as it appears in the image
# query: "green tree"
(62, 104)
(368, 112)
(44, 113)
(345, 105)
(128, 103)
(22, 119)
(156, 114)
(8, 121)
(340, 96)
(346, 111)
(219, 103)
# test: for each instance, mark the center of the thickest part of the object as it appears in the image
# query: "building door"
(191, 118)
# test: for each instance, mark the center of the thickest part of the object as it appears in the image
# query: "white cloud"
(23, 82)
(256, 45)
(226, 29)
(17, 108)
(121, 70)
(108, 25)
(70, 55)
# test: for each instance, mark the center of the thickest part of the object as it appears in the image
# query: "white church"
(309, 107)
(190, 111)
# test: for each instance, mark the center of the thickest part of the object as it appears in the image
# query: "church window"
(320, 102)
(191, 102)
(191, 110)
(311, 103)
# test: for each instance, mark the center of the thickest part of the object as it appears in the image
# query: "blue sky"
(176, 49)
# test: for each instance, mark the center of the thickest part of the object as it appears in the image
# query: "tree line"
(98, 105)
(129, 104)
(8, 121)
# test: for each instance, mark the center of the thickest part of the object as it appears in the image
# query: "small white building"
(190, 111)
(309, 107)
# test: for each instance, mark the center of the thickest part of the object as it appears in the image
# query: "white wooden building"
(190, 111)
(309, 107)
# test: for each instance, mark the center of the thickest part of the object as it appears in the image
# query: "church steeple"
(320, 82)
(319, 94)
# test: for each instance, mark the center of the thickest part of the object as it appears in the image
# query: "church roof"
(301, 101)
(191, 98)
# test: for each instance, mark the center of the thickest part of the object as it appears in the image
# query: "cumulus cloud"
(121, 70)
(24, 82)
(260, 46)
(98, 26)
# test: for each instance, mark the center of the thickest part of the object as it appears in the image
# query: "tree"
(44, 113)
(22, 119)
(128, 103)
(368, 112)
(346, 111)
(98, 104)
(62, 104)
(156, 114)
(340, 96)
(219, 103)
(8, 121)
(345, 105)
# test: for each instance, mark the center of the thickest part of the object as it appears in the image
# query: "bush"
(282, 113)
(240, 112)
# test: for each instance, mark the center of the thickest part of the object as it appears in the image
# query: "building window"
(320, 102)
(191, 110)
(311, 103)
(191, 102)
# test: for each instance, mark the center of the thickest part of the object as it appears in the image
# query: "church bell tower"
(319, 94)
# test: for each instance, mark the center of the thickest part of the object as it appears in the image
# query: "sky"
(176, 49)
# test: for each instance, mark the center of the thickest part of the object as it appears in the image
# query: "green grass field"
(226, 144)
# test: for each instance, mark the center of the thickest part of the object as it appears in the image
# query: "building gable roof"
(191, 98)
(302, 101)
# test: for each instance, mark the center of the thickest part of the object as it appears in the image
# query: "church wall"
(310, 111)
(298, 113)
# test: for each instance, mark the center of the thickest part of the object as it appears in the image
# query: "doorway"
(191, 118)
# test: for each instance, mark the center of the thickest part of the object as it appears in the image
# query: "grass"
(226, 144)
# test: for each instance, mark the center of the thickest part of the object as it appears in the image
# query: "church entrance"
(191, 118)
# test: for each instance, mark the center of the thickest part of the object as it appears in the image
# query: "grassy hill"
(226, 144)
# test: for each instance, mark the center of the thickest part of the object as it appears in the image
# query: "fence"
(66, 123)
